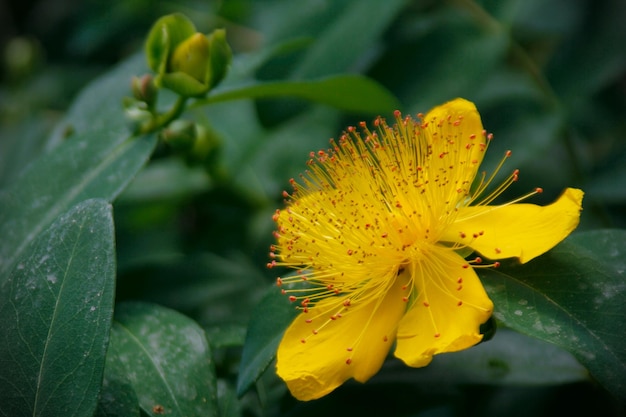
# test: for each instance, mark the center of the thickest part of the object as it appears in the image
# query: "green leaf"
(167, 359)
(55, 314)
(509, 359)
(440, 76)
(347, 92)
(117, 397)
(226, 336)
(98, 107)
(574, 297)
(96, 161)
(349, 36)
(166, 179)
(269, 320)
(90, 165)
(228, 401)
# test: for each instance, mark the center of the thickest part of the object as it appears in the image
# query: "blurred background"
(548, 77)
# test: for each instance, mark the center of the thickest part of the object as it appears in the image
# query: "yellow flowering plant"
(378, 227)
(137, 228)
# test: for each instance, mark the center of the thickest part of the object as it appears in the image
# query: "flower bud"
(137, 113)
(180, 135)
(220, 55)
(144, 89)
(192, 57)
(186, 62)
(206, 142)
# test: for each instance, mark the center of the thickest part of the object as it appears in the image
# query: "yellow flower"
(377, 230)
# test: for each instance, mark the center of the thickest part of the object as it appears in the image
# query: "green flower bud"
(180, 135)
(220, 55)
(192, 57)
(137, 113)
(186, 62)
(206, 142)
(144, 89)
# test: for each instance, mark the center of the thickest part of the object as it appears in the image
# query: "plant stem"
(163, 119)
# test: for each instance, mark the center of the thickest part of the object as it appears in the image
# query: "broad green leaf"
(97, 161)
(165, 179)
(98, 107)
(352, 34)
(117, 397)
(95, 164)
(574, 297)
(268, 323)
(458, 70)
(226, 336)
(55, 314)
(167, 360)
(20, 143)
(228, 402)
(577, 76)
(216, 290)
(509, 359)
(347, 92)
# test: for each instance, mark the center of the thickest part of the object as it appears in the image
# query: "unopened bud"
(186, 62)
(144, 89)
(206, 142)
(180, 135)
(192, 58)
(220, 55)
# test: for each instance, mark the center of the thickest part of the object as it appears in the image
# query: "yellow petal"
(335, 350)
(524, 231)
(455, 132)
(447, 314)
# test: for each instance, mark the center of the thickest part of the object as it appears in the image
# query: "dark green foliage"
(132, 274)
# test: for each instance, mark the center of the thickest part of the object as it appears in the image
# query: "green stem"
(163, 119)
